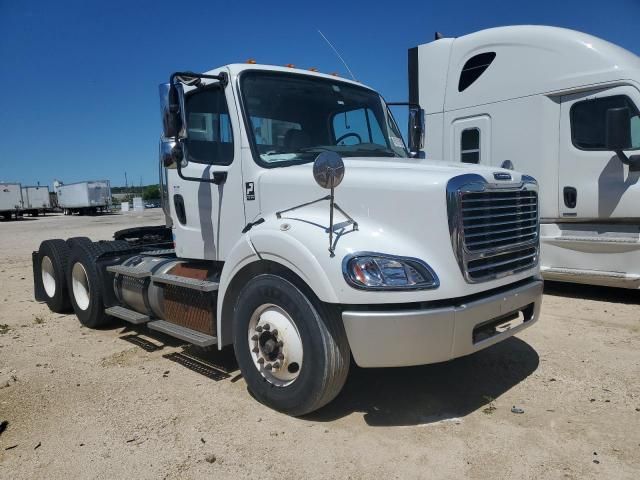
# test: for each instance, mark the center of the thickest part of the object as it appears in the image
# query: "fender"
(240, 256)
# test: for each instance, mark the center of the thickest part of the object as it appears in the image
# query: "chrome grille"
(494, 228)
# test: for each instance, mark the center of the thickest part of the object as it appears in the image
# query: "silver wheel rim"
(80, 286)
(48, 277)
(275, 345)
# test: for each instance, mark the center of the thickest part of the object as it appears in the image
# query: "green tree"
(151, 192)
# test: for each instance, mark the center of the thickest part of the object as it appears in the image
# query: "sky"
(79, 79)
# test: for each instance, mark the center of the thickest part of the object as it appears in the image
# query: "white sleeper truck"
(302, 231)
(560, 105)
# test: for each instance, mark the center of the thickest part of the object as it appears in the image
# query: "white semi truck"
(560, 105)
(10, 200)
(410, 261)
(83, 198)
(35, 199)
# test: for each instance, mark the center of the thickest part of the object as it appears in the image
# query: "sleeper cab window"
(474, 68)
(209, 135)
(589, 122)
(470, 145)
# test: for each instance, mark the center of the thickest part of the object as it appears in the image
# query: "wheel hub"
(275, 345)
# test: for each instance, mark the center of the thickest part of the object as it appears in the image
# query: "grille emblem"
(502, 176)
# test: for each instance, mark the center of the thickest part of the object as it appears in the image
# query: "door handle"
(570, 195)
(219, 177)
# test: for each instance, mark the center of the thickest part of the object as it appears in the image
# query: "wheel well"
(247, 273)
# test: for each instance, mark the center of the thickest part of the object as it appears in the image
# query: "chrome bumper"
(418, 337)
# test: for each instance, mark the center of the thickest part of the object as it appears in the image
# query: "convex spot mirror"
(171, 154)
(172, 110)
(618, 129)
(328, 170)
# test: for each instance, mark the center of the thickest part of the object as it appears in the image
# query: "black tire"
(91, 314)
(57, 252)
(325, 346)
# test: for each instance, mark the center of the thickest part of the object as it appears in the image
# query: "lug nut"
(274, 331)
(276, 365)
(255, 338)
(261, 360)
(268, 366)
(267, 326)
(258, 329)
(280, 356)
(281, 343)
(255, 350)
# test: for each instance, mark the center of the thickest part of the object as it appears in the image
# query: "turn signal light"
(290, 65)
(251, 61)
(313, 69)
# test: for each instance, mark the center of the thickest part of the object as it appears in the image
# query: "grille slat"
(499, 232)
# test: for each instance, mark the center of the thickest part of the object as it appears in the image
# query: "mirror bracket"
(633, 162)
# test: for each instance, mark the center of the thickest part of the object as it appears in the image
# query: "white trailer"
(86, 197)
(412, 267)
(560, 105)
(35, 199)
(10, 200)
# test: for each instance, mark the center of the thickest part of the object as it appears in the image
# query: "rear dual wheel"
(52, 260)
(292, 351)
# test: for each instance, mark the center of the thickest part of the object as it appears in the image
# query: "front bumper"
(417, 337)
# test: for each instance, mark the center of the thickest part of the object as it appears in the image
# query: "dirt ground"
(124, 403)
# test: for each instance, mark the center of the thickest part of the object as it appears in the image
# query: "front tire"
(304, 363)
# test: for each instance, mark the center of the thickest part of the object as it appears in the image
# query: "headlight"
(377, 271)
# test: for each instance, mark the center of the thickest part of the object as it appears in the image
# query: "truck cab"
(306, 233)
(560, 105)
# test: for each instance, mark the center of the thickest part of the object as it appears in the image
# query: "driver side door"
(208, 217)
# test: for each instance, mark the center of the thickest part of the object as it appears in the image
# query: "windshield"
(295, 117)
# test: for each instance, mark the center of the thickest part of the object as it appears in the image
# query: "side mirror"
(416, 130)
(171, 154)
(618, 129)
(172, 110)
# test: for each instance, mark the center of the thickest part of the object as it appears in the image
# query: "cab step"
(191, 283)
(158, 253)
(134, 272)
(183, 333)
(130, 316)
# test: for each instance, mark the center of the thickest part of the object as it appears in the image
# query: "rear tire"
(321, 366)
(85, 284)
(52, 261)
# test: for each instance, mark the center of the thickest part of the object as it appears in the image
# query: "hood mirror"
(328, 170)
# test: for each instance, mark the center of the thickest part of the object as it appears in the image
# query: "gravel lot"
(125, 403)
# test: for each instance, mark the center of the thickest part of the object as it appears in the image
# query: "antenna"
(339, 56)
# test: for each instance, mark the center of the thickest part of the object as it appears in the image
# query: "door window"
(209, 135)
(589, 119)
(470, 145)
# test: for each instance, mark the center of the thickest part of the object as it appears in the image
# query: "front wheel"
(293, 354)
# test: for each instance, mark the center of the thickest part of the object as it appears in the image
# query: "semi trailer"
(560, 105)
(297, 231)
(35, 200)
(88, 197)
(10, 200)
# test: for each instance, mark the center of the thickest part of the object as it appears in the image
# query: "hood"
(368, 179)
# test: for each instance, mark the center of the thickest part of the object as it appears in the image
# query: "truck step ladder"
(159, 253)
(196, 338)
(134, 272)
(130, 316)
(191, 283)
